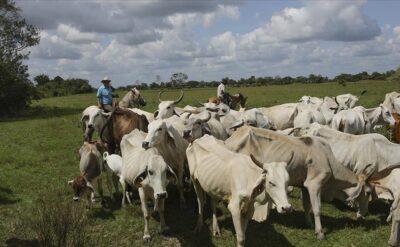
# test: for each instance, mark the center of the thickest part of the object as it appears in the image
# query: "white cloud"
(318, 20)
(53, 47)
(73, 35)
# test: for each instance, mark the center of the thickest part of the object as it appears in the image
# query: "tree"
(15, 36)
(41, 79)
(178, 79)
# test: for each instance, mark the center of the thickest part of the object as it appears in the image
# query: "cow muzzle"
(186, 134)
(161, 195)
(145, 145)
(286, 209)
(75, 198)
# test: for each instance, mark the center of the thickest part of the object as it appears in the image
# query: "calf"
(90, 166)
(244, 183)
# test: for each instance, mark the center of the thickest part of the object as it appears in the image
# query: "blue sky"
(134, 41)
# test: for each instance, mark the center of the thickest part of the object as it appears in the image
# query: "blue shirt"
(105, 95)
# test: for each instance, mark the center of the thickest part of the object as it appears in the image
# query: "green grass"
(38, 154)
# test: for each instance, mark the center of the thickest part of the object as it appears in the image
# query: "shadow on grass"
(41, 112)
(7, 196)
(16, 242)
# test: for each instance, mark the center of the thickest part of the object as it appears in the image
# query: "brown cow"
(120, 123)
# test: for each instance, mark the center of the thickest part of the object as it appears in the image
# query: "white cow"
(371, 155)
(281, 116)
(346, 101)
(306, 115)
(147, 171)
(311, 166)
(326, 106)
(114, 163)
(169, 142)
(203, 123)
(360, 120)
(244, 183)
(311, 100)
(93, 119)
(167, 108)
(149, 116)
(392, 102)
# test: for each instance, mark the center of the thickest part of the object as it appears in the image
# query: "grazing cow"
(310, 163)
(281, 116)
(360, 120)
(132, 99)
(167, 108)
(203, 123)
(164, 136)
(90, 166)
(93, 119)
(306, 115)
(148, 115)
(146, 170)
(121, 122)
(371, 155)
(392, 102)
(244, 183)
(346, 101)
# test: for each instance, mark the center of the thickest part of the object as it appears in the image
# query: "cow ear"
(258, 187)
(171, 176)
(205, 128)
(139, 178)
(237, 124)
(155, 114)
(84, 118)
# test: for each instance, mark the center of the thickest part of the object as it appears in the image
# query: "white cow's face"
(396, 104)
(166, 109)
(276, 184)
(305, 100)
(156, 176)
(156, 135)
(387, 116)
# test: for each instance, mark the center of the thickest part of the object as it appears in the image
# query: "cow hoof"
(216, 233)
(147, 238)
(320, 236)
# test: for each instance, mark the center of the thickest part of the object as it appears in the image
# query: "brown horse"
(234, 100)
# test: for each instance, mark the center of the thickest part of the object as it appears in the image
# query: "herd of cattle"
(249, 159)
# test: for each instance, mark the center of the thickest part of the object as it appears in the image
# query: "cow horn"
(159, 95)
(257, 162)
(180, 98)
(205, 120)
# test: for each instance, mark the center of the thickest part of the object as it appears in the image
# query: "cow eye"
(169, 107)
(151, 172)
(159, 129)
(272, 184)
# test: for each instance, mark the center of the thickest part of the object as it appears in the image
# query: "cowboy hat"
(105, 79)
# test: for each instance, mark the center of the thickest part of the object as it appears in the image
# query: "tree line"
(343, 78)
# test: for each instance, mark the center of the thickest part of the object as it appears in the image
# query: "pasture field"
(39, 154)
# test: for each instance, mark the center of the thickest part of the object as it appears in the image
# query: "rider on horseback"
(222, 93)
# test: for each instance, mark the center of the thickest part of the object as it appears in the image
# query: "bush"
(55, 223)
